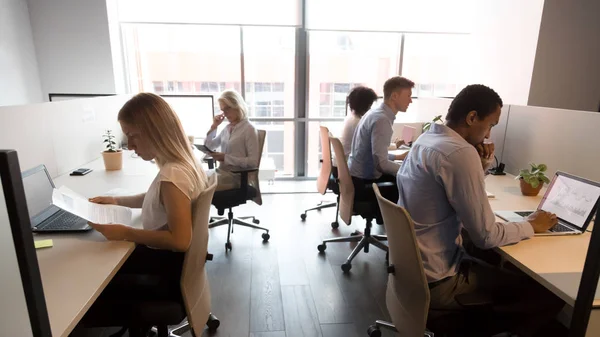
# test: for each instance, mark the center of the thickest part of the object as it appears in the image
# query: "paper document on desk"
(73, 203)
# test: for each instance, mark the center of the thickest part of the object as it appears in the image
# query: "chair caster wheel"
(303, 216)
(213, 322)
(355, 233)
(322, 248)
(266, 237)
(346, 267)
(335, 225)
(228, 246)
(256, 221)
(373, 331)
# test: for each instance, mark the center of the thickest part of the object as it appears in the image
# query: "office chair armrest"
(244, 177)
(474, 300)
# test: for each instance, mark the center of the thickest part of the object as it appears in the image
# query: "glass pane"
(182, 59)
(269, 56)
(314, 144)
(255, 12)
(340, 61)
(278, 151)
(437, 72)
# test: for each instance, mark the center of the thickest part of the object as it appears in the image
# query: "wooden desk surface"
(554, 261)
(80, 265)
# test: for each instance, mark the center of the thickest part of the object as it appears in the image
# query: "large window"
(438, 63)
(200, 59)
(341, 60)
(185, 47)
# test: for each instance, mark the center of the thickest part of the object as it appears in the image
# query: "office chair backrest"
(326, 165)
(195, 289)
(253, 176)
(345, 182)
(407, 296)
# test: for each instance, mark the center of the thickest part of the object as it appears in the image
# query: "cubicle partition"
(565, 140)
(62, 135)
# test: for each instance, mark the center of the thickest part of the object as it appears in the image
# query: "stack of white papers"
(73, 203)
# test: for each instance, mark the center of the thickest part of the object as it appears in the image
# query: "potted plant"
(113, 157)
(533, 180)
(427, 125)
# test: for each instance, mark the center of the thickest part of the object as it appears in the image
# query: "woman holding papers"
(155, 133)
(238, 140)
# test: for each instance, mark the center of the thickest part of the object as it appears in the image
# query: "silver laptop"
(572, 199)
(45, 217)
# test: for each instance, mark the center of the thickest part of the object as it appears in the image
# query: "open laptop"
(45, 217)
(572, 199)
(408, 133)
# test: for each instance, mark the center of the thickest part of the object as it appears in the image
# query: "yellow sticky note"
(43, 244)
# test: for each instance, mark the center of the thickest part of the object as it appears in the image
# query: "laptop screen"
(571, 199)
(38, 191)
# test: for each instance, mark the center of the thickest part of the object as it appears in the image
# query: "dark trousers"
(148, 273)
(389, 192)
(519, 304)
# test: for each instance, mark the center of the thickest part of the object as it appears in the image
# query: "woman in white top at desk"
(154, 132)
(360, 99)
(238, 140)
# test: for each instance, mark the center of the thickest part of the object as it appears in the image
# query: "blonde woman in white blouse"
(238, 141)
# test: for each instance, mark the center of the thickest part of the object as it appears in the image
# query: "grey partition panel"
(499, 132)
(565, 140)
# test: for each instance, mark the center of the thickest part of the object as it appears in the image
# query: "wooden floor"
(285, 288)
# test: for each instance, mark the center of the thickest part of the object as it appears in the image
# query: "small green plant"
(427, 125)
(534, 176)
(109, 141)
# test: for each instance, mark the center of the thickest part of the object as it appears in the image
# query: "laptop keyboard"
(60, 220)
(524, 213)
(560, 228)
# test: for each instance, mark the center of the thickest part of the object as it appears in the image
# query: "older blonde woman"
(238, 141)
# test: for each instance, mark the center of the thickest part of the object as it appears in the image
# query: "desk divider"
(62, 135)
(565, 140)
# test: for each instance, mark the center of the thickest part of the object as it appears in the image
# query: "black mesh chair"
(228, 199)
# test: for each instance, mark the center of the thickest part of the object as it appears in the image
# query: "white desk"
(80, 265)
(554, 261)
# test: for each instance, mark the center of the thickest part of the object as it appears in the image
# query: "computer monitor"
(23, 305)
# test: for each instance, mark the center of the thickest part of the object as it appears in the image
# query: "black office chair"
(228, 199)
(363, 204)
(327, 180)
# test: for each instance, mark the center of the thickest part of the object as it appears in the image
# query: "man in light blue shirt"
(369, 158)
(441, 185)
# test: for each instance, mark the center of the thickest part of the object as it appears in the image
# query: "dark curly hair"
(360, 99)
(476, 97)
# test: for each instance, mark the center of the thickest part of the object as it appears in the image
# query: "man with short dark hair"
(441, 185)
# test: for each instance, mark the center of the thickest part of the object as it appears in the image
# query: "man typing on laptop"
(441, 184)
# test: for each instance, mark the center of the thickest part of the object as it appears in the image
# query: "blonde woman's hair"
(234, 100)
(161, 127)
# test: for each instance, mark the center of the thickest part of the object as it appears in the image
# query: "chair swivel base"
(230, 221)
(375, 330)
(364, 241)
(213, 324)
